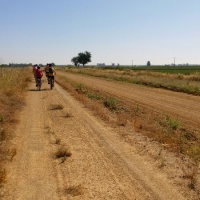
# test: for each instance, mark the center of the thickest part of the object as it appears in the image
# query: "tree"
(148, 64)
(84, 58)
(75, 60)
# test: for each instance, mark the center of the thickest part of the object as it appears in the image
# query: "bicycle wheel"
(51, 83)
(38, 84)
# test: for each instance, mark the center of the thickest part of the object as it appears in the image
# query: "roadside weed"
(170, 123)
(191, 174)
(74, 190)
(67, 115)
(3, 176)
(110, 103)
(80, 88)
(94, 96)
(56, 107)
(122, 119)
(63, 152)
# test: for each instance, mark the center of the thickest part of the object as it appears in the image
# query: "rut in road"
(102, 166)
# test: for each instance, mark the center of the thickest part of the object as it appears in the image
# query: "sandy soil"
(102, 165)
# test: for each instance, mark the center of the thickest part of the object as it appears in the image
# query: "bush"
(110, 103)
(94, 96)
(170, 123)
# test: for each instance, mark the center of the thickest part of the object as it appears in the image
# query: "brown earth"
(102, 165)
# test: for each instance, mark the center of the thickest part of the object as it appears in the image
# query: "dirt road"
(182, 106)
(102, 165)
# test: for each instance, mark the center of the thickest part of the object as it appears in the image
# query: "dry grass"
(75, 190)
(67, 115)
(3, 176)
(122, 119)
(13, 86)
(190, 173)
(110, 103)
(12, 82)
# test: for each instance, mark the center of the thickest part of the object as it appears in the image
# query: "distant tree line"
(16, 65)
(21, 65)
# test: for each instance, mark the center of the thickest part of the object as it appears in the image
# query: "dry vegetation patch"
(56, 107)
(63, 152)
(13, 83)
(3, 176)
(75, 190)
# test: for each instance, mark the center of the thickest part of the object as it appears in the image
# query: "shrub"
(94, 96)
(80, 88)
(110, 103)
(170, 123)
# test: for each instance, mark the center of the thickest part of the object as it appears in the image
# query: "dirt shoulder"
(101, 166)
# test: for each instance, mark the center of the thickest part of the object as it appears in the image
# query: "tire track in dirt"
(182, 106)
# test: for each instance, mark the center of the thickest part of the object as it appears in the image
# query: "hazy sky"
(114, 31)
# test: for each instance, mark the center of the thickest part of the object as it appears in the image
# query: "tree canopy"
(82, 58)
(75, 60)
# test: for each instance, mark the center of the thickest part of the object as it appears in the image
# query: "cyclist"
(51, 73)
(34, 71)
(38, 74)
(47, 71)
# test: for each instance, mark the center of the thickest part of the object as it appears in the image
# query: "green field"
(163, 69)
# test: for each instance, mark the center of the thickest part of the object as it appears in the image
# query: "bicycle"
(51, 82)
(39, 83)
